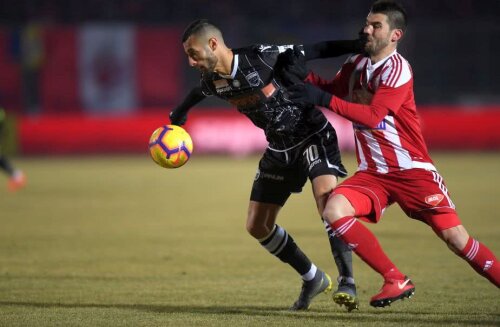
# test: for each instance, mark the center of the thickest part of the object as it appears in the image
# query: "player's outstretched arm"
(291, 67)
(329, 49)
(178, 116)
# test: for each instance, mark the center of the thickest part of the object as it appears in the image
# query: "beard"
(211, 61)
(373, 47)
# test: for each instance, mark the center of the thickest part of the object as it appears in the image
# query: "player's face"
(200, 55)
(378, 34)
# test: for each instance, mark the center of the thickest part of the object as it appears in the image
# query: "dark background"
(452, 45)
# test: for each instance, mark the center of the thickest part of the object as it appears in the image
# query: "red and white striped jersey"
(396, 143)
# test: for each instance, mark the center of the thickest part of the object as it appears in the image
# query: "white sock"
(310, 274)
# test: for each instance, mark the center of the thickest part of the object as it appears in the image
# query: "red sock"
(482, 260)
(362, 241)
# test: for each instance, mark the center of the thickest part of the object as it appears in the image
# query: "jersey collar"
(372, 68)
(236, 61)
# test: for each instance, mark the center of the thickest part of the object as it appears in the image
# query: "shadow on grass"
(382, 316)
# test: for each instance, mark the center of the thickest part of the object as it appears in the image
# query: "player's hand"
(306, 93)
(178, 118)
(290, 67)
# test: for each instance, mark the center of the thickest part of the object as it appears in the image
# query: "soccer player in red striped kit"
(393, 162)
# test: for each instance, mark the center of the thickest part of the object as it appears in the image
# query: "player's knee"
(261, 219)
(456, 238)
(252, 228)
(337, 207)
(256, 228)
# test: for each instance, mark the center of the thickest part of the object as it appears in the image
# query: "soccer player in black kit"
(302, 144)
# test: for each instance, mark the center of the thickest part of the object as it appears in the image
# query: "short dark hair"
(196, 27)
(396, 14)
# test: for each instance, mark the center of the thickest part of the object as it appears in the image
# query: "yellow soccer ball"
(170, 146)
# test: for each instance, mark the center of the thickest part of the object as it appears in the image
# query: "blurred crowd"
(168, 11)
(445, 37)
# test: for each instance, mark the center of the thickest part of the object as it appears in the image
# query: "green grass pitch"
(119, 241)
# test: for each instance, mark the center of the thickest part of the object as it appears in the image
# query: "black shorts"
(281, 173)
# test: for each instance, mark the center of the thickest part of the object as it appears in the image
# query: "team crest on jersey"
(253, 79)
(434, 200)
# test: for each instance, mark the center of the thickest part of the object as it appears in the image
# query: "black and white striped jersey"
(252, 88)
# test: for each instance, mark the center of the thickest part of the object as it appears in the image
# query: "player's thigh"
(423, 195)
(273, 184)
(322, 187)
(362, 195)
(337, 206)
(275, 180)
(320, 159)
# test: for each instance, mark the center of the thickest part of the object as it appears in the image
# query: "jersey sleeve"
(271, 48)
(269, 52)
(339, 85)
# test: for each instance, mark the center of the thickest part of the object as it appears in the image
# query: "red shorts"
(421, 194)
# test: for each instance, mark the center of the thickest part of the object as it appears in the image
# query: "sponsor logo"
(221, 85)
(273, 177)
(403, 284)
(314, 163)
(264, 47)
(283, 48)
(434, 200)
(381, 125)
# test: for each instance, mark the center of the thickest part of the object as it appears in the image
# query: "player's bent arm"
(386, 99)
(367, 115)
(178, 116)
(336, 86)
(290, 66)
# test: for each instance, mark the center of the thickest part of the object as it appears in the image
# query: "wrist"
(325, 99)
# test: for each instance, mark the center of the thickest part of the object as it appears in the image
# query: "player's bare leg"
(346, 290)
(261, 225)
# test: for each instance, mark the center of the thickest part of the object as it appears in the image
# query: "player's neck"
(382, 54)
(224, 66)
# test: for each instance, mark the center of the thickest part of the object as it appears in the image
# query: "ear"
(397, 34)
(213, 43)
